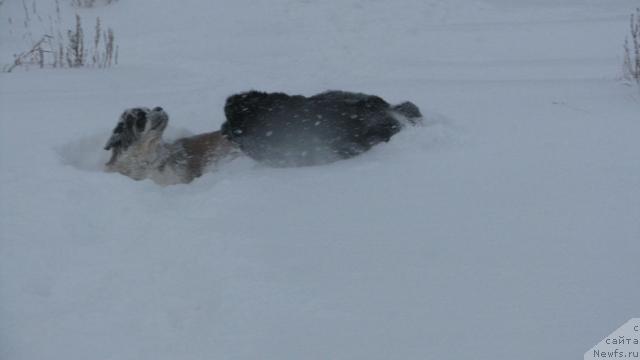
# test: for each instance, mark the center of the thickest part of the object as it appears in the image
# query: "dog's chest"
(143, 162)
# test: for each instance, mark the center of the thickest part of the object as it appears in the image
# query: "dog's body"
(282, 130)
(272, 128)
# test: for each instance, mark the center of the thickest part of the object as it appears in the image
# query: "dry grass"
(632, 49)
(72, 50)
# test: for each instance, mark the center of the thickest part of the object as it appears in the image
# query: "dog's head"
(136, 126)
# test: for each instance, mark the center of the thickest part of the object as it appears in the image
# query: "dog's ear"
(126, 131)
(114, 141)
(116, 137)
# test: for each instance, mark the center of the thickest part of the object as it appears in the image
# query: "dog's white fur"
(141, 153)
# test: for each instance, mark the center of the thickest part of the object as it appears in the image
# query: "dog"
(139, 152)
(286, 131)
(275, 129)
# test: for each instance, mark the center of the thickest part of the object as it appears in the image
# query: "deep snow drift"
(507, 227)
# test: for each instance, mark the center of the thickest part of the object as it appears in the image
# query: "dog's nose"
(157, 108)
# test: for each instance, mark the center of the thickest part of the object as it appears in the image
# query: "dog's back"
(195, 154)
(283, 130)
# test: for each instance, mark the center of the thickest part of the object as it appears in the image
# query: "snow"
(506, 227)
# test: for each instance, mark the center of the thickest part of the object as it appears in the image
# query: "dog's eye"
(141, 123)
(119, 128)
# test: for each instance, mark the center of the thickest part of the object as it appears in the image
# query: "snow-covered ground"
(508, 227)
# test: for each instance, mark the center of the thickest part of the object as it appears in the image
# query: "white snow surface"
(507, 227)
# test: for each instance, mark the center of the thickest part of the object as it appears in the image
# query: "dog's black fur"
(283, 130)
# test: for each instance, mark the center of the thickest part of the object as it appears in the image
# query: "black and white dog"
(273, 128)
(138, 150)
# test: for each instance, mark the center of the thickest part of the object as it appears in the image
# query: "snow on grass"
(506, 227)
